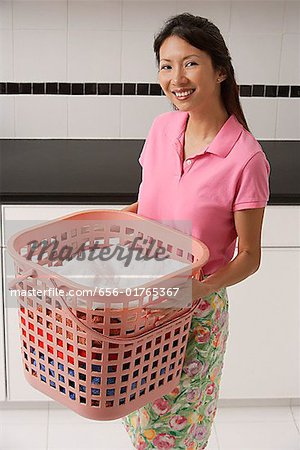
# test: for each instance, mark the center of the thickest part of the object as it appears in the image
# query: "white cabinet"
(263, 348)
(2, 358)
(281, 227)
(16, 218)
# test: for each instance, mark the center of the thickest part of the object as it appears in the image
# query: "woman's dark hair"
(204, 35)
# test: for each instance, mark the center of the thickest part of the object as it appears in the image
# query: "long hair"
(204, 35)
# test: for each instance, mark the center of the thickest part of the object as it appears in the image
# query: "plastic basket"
(106, 362)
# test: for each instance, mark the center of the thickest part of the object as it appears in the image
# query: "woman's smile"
(183, 95)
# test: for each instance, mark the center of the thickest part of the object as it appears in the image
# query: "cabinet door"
(2, 357)
(281, 227)
(17, 387)
(262, 359)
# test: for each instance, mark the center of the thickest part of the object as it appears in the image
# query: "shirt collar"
(225, 139)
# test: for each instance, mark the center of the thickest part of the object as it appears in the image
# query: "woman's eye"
(169, 67)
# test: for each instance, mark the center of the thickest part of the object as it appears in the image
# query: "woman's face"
(185, 69)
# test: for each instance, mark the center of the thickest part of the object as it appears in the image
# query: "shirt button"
(188, 161)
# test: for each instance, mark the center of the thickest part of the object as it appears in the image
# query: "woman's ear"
(221, 75)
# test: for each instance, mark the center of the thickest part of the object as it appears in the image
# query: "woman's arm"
(131, 208)
(248, 224)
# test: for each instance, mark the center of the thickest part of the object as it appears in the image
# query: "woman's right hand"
(131, 208)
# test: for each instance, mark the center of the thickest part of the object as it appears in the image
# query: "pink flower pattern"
(185, 420)
(161, 406)
(164, 441)
(178, 422)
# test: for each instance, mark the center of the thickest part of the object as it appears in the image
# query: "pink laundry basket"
(102, 362)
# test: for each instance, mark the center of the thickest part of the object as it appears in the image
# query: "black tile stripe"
(271, 91)
(148, 89)
(38, 88)
(258, 90)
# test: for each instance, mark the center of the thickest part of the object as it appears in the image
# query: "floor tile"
(236, 428)
(21, 436)
(296, 415)
(96, 435)
(104, 429)
(257, 435)
(57, 416)
(12, 416)
(22, 429)
(254, 414)
(212, 442)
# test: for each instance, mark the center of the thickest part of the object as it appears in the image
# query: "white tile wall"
(6, 55)
(131, 108)
(256, 57)
(217, 11)
(40, 55)
(261, 116)
(288, 119)
(94, 15)
(149, 17)
(249, 17)
(137, 63)
(292, 17)
(290, 59)
(47, 15)
(7, 116)
(5, 14)
(112, 41)
(94, 117)
(94, 55)
(39, 116)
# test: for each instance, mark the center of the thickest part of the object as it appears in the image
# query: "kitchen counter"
(107, 171)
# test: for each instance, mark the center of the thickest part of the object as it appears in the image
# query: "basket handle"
(96, 335)
(118, 340)
(172, 316)
(29, 273)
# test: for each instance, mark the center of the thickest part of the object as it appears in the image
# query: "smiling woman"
(206, 175)
(190, 79)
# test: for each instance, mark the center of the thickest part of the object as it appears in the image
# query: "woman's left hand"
(187, 292)
(201, 289)
(190, 291)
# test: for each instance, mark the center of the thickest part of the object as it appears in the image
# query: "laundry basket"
(101, 356)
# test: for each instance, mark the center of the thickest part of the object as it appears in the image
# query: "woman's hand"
(131, 208)
(188, 292)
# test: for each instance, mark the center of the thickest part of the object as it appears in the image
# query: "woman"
(206, 175)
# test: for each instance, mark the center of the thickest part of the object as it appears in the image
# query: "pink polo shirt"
(200, 195)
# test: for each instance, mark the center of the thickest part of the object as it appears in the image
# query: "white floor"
(251, 428)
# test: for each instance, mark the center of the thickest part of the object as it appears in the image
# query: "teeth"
(183, 94)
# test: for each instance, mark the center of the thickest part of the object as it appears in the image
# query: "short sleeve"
(144, 152)
(252, 189)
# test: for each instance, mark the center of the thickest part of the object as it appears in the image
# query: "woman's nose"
(178, 76)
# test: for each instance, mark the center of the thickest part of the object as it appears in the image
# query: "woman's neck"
(205, 127)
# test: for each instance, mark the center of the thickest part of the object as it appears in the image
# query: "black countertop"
(66, 171)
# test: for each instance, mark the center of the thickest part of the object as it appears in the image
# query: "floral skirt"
(183, 419)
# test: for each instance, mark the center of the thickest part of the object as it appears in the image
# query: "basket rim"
(192, 267)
